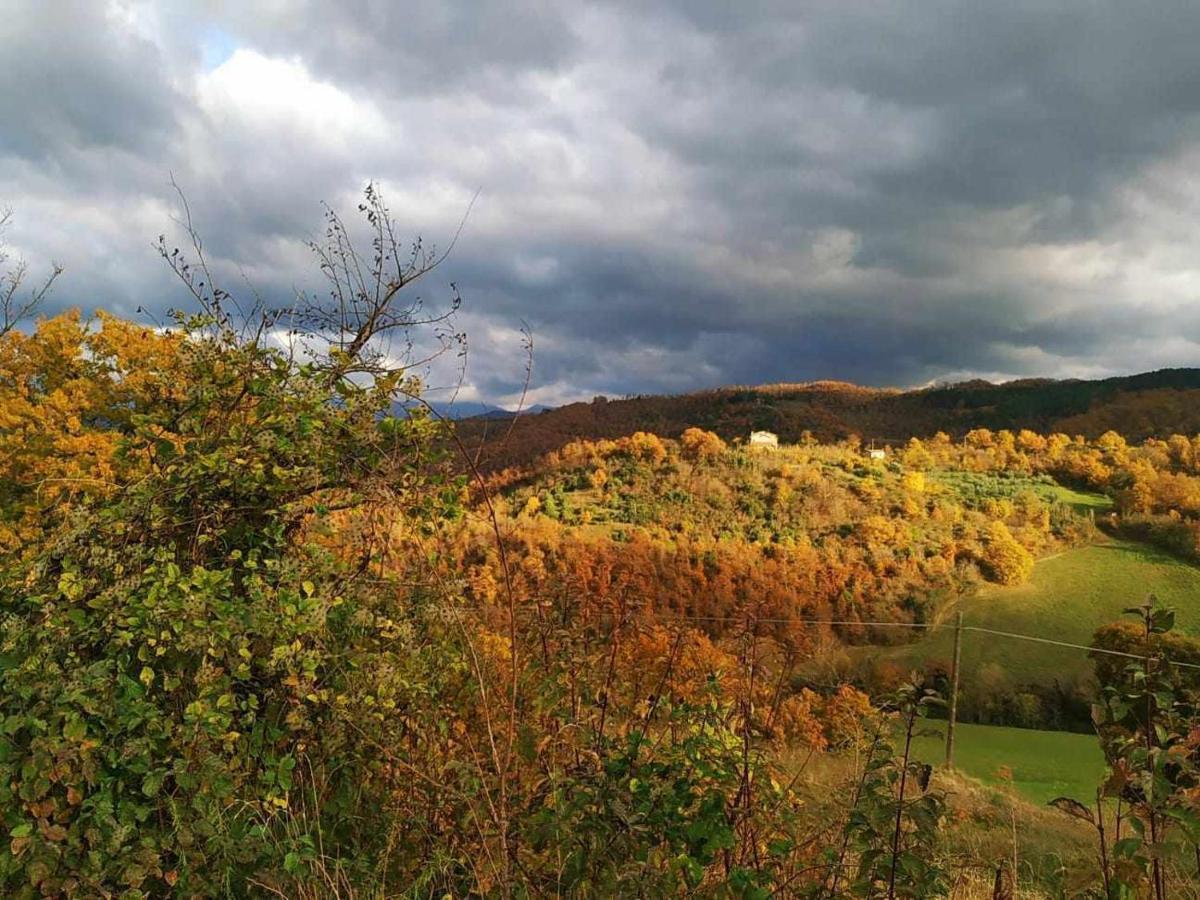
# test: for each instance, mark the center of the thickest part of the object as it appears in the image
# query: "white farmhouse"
(877, 453)
(764, 440)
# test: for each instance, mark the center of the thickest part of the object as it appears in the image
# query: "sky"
(669, 195)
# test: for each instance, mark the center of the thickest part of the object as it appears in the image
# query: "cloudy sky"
(672, 195)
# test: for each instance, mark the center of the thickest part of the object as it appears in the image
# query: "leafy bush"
(187, 655)
(895, 816)
(195, 675)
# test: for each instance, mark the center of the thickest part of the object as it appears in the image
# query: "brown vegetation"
(1155, 404)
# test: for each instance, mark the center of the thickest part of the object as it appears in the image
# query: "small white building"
(764, 440)
(877, 453)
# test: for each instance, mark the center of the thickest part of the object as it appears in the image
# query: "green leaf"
(1127, 847)
(1162, 620)
(70, 585)
(152, 783)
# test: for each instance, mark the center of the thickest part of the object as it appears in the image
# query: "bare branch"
(353, 328)
(15, 305)
(362, 314)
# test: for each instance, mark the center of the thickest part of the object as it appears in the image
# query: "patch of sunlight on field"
(1080, 501)
(1044, 764)
(1068, 596)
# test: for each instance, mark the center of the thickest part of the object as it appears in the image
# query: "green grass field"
(1067, 597)
(1044, 764)
(974, 487)
(1080, 501)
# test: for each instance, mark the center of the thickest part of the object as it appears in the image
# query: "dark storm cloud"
(74, 79)
(672, 195)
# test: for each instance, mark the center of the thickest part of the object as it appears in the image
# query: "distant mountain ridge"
(472, 409)
(1156, 403)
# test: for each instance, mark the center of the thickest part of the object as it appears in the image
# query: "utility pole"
(954, 692)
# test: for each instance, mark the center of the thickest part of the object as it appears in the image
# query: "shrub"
(1005, 560)
(188, 656)
(195, 677)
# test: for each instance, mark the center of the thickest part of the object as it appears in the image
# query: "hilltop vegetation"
(809, 532)
(1153, 404)
(822, 531)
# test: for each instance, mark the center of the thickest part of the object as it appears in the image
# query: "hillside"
(1068, 596)
(1152, 404)
(825, 532)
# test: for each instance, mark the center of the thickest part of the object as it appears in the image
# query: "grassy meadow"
(1042, 764)
(1068, 596)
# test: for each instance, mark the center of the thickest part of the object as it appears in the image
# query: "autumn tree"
(647, 447)
(1005, 560)
(915, 456)
(699, 445)
(68, 393)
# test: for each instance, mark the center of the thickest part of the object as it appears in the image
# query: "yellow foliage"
(64, 391)
(913, 482)
(847, 713)
(979, 437)
(646, 446)
(1031, 441)
(877, 530)
(915, 455)
(699, 444)
(798, 720)
(1006, 560)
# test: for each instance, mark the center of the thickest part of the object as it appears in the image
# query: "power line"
(931, 626)
(1057, 643)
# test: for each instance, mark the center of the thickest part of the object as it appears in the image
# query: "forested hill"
(1150, 404)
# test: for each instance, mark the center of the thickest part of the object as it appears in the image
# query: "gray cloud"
(77, 79)
(671, 197)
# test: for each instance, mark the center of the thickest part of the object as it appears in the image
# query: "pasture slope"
(1041, 765)
(1068, 596)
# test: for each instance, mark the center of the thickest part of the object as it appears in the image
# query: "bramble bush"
(1146, 719)
(195, 664)
(184, 639)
